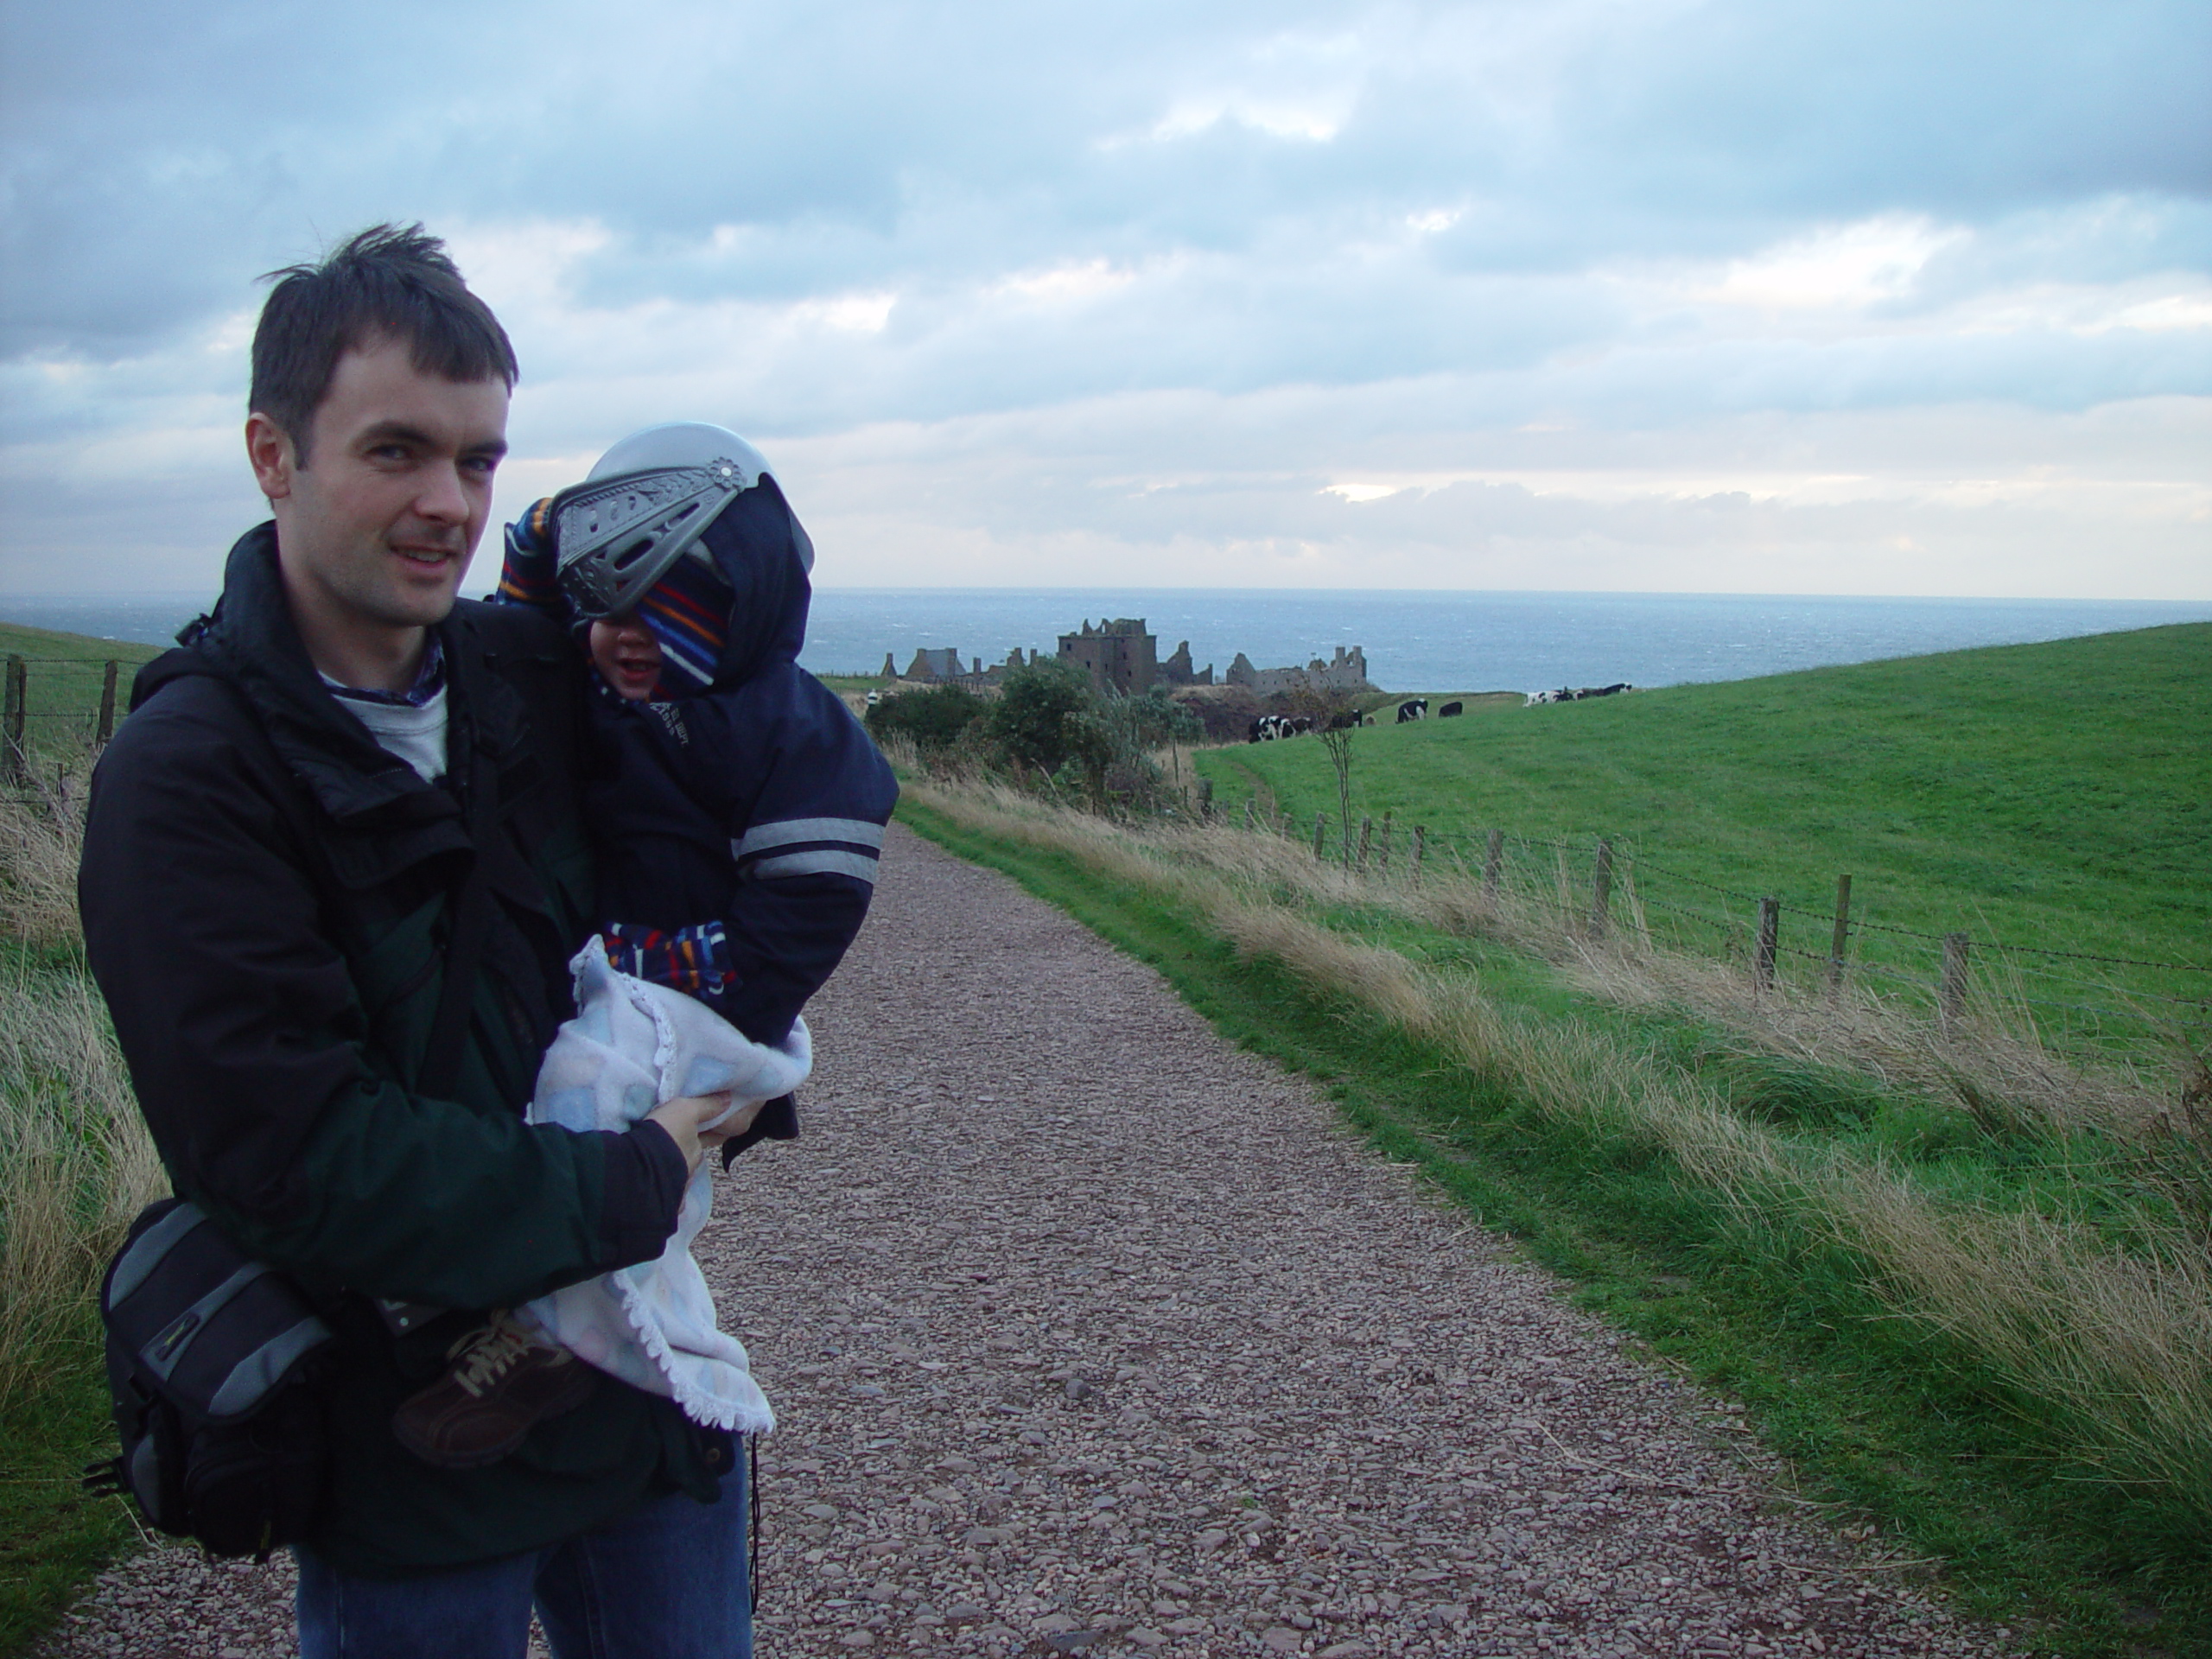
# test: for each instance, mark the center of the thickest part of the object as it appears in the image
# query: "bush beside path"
(1089, 1332)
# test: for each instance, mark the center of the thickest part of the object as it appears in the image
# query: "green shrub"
(1041, 718)
(933, 721)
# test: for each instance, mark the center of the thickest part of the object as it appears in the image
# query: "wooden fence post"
(1320, 831)
(105, 729)
(1601, 891)
(1493, 863)
(1842, 935)
(1770, 942)
(1952, 995)
(1382, 847)
(12, 762)
(1421, 849)
(1366, 829)
(1249, 806)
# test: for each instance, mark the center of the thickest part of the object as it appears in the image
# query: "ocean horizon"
(1443, 640)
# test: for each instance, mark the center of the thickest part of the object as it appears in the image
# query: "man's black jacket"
(267, 899)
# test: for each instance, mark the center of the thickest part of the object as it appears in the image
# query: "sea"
(1415, 641)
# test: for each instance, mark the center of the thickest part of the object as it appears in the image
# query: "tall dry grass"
(75, 1161)
(2111, 1346)
(43, 827)
(1990, 1065)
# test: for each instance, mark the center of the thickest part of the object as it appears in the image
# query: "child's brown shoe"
(503, 1381)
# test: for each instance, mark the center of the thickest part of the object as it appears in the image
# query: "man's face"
(375, 531)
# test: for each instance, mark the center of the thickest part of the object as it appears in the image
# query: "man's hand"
(683, 1117)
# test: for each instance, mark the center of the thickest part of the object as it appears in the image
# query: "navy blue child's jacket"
(757, 801)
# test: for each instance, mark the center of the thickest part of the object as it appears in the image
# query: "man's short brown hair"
(386, 282)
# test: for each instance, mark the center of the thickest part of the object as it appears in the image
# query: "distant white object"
(1571, 694)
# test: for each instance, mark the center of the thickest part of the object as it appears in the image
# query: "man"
(344, 790)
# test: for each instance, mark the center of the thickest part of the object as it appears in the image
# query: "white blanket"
(631, 1047)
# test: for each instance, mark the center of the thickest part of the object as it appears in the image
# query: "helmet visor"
(614, 537)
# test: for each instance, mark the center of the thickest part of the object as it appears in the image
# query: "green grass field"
(63, 676)
(2056, 796)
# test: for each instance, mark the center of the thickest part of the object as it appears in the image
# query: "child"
(738, 813)
(741, 807)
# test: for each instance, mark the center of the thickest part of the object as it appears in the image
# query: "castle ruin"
(1345, 672)
(1121, 655)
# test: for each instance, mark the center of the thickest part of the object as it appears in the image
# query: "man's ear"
(268, 448)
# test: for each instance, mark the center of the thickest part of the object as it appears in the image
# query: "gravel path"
(1087, 1331)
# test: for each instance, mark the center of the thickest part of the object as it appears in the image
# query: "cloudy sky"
(1876, 297)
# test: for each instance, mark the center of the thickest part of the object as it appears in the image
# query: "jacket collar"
(250, 639)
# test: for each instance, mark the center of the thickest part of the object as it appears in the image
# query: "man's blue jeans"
(668, 1581)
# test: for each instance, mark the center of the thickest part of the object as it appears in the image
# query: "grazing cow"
(1343, 722)
(1450, 709)
(1411, 709)
(1252, 732)
(1299, 726)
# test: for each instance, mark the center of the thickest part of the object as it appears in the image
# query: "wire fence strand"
(1544, 867)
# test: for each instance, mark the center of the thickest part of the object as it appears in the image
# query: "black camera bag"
(211, 1357)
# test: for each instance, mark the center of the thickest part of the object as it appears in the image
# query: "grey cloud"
(1964, 109)
(740, 158)
(156, 157)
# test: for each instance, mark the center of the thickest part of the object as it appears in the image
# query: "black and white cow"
(1411, 709)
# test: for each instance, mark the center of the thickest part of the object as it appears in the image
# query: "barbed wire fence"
(55, 709)
(1597, 885)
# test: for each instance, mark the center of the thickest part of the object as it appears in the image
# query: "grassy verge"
(53, 1536)
(1906, 1299)
(75, 1166)
(74, 1162)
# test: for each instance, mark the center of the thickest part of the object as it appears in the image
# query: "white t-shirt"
(414, 734)
(410, 725)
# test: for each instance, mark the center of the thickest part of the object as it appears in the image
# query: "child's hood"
(762, 555)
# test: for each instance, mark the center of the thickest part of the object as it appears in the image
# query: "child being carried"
(737, 811)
